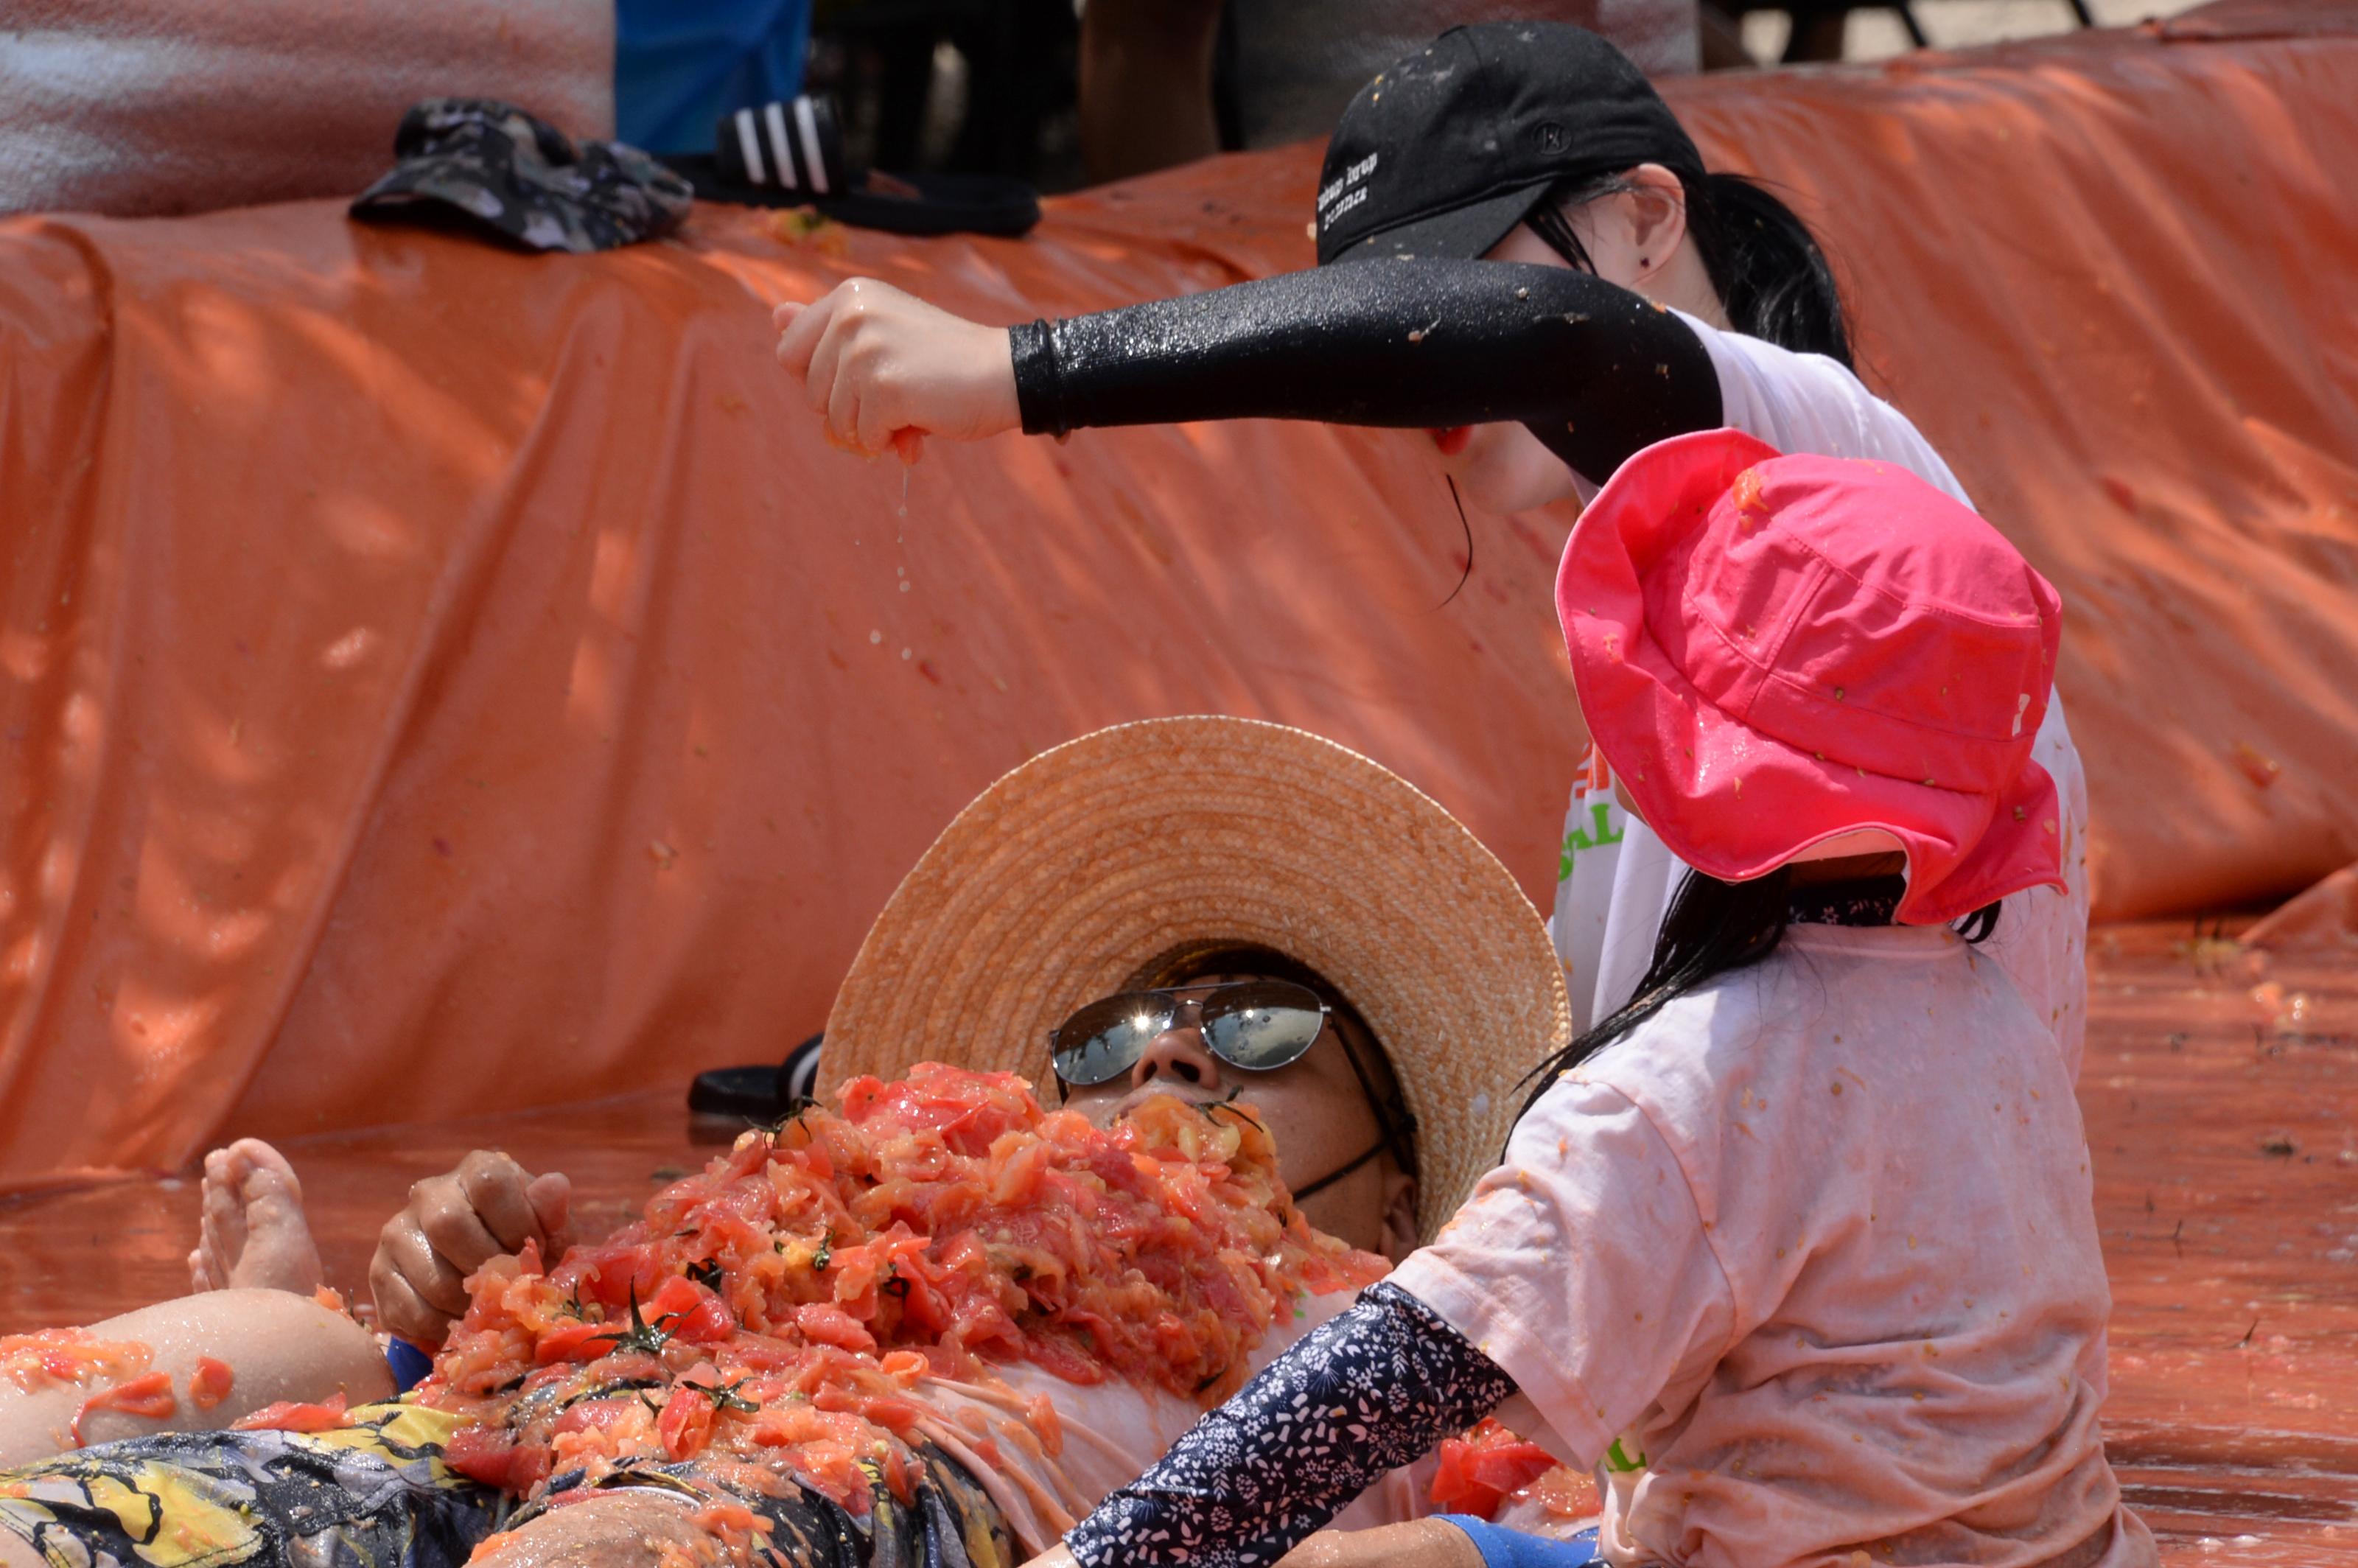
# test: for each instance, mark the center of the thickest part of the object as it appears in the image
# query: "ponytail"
(1764, 263)
(1772, 278)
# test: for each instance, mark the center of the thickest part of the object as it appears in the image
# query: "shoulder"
(1709, 1069)
(1808, 403)
(1755, 366)
(1677, 1066)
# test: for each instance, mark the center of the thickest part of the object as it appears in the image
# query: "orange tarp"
(437, 678)
(2324, 917)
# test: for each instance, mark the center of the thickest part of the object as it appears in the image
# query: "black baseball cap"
(1448, 150)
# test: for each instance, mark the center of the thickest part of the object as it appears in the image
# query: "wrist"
(1006, 401)
(1035, 380)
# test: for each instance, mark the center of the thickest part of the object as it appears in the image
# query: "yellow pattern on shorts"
(376, 1494)
(373, 1494)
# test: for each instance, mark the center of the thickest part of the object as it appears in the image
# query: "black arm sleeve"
(1594, 371)
(1358, 1395)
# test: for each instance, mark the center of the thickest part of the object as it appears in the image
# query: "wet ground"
(2224, 1127)
(2225, 1134)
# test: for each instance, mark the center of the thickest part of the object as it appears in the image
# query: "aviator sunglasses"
(1257, 1025)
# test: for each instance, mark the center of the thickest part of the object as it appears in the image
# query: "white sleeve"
(1581, 1266)
(1808, 403)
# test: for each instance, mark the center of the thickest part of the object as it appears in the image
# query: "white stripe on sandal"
(750, 146)
(773, 116)
(807, 124)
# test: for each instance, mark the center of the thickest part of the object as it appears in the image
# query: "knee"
(277, 1347)
(619, 1530)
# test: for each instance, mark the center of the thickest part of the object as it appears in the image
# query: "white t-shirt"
(1109, 1433)
(1614, 878)
(1809, 1281)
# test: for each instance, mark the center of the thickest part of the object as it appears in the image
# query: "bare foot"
(255, 1235)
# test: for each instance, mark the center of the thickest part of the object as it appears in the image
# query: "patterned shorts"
(376, 1494)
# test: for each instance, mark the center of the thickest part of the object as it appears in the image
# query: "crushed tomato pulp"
(1489, 1468)
(778, 1313)
(70, 1355)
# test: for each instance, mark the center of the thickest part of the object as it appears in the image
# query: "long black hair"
(1713, 928)
(1771, 275)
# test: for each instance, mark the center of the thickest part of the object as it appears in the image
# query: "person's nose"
(1177, 1053)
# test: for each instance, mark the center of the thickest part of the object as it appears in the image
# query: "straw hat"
(1077, 873)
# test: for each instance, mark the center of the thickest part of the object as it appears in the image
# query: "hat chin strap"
(1331, 1177)
(1843, 845)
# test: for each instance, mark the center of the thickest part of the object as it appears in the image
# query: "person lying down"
(942, 1318)
(857, 1314)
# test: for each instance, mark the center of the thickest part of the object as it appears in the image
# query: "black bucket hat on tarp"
(1446, 152)
(497, 171)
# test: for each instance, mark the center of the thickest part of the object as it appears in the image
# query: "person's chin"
(1139, 1097)
(1488, 483)
(1504, 490)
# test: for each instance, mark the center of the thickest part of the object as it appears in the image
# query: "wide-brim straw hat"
(1082, 872)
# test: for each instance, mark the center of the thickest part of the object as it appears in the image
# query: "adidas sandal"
(790, 154)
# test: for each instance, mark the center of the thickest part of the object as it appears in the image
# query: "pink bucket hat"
(1775, 651)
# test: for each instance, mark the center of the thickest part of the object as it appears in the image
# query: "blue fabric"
(409, 1364)
(679, 65)
(1502, 1548)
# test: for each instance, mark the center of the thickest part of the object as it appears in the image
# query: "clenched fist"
(489, 1205)
(884, 368)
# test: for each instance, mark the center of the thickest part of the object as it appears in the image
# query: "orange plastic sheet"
(438, 680)
(2324, 918)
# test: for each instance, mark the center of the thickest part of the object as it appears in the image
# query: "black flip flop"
(790, 154)
(757, 1094)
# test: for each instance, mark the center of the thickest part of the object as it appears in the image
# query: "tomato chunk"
(689, 1311)
(574, 1341)
(686, 1423)
(491, 1457)
(149, 1395)
(211, 1383)
(1480, 1471)
(293, 1415)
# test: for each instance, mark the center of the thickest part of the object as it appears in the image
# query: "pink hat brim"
(1725, 798)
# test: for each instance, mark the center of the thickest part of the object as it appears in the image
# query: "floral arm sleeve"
(1358, 1395)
